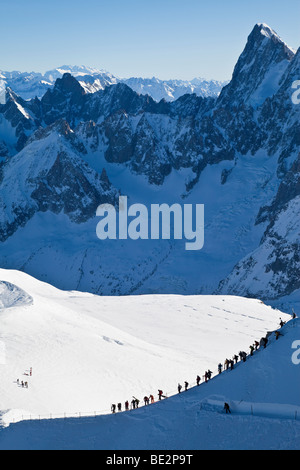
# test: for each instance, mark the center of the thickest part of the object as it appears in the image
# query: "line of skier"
(134, 403)
(228, 364)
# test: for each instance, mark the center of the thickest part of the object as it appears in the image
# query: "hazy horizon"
(166, 40)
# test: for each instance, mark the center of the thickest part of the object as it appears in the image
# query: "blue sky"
(163, 38)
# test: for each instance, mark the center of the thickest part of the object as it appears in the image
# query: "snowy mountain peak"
(269, 33)
(259, 69)
(68, 84)
(61, 127)
(75, 70)
(10, 94)
(30, 85)
(266, 32)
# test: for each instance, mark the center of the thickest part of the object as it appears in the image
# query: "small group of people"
(134, 404)
(208, 375)
(229, 363)
(22, 383)
(186, 386)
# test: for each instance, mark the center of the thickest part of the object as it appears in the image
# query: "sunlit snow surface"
(88, 351)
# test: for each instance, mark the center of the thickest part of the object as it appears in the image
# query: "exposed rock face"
(17, 122)
(258, 71)
(53, 152)
(275, 266)
(50, 175)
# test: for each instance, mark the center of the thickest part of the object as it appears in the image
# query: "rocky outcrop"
(273, 269)
(53, 151)
(50, 175)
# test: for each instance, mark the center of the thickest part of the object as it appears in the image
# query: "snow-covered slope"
(87, 352)
(274, 266)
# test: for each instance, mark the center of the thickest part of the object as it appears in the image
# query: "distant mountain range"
(237, 152)
(31, 85)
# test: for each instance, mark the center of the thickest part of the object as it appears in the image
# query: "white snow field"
(87, 352)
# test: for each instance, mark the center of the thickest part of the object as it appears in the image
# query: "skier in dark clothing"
(227, 408)
(179, 388)
(186, 385)
(113, 408)
(119, 406)
(127, 405)
(243, 356)
(198, 380)
(160, 394)
(146, 401)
